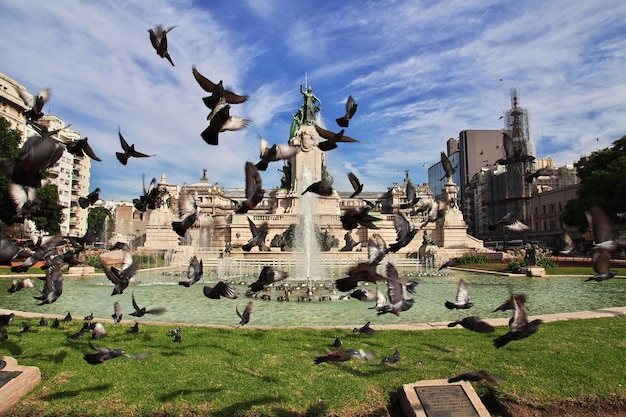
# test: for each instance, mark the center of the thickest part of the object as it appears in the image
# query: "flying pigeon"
(509, 222)
(140, 312)
(322, 187)
(90, 199)
(194, 272)
(158, 38)
(259, 234)
(117, 312)
(103, 354)
(37, 154)
(601, 262)
(220, 121)
(189, 215)
(332, 138)
(19, 284)
(120, 277)
(129, 151)
(519, 326)
(220, 289)
(81, 147)
(604, 231)
(245, 316)
(254, 189)
(152, 196)
(356, 185)
(353, 218)
(462, 297)
(219, 94)
(351, 107)
(267, 276)
(447, 166)
(53, 288)
(34, 103)
(405, 231)
(514, 151)
(274, 153)
(411, 196)
(397, 301)
(473, 323)
(509, 304)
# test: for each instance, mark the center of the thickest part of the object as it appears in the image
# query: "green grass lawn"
(253, 372)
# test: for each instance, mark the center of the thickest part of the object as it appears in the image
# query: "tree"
(9, 148)
(96, 222)
(602, 182)
(49, 220)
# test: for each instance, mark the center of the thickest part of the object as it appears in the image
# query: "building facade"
(71, 174)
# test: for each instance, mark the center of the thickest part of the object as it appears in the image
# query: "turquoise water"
(82, 296)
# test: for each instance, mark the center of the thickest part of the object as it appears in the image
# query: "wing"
(135, 306)
(602, 227)
(326, 134)
(235, 123)
(601, 261)
(194, 265)
(206, 84)
(462, 293)
(253, 229)
(125, 145)
(285, 151)
(356, 184)
(351, 107)
(186, 205)
(402, 225)
(520, 318)
(109, 274)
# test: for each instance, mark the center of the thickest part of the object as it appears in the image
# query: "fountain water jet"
(307, 249)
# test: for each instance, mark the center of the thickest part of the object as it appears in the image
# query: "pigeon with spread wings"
(129, 151)
(332, 138)
(81, 147)
(141, 311)
(121, 277)
(34, 102)
(219, 93)
(274, 153)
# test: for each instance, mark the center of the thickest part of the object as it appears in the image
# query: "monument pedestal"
(15, 382)
(438, 398)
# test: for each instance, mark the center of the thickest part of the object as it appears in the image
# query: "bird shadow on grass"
(58, 357)
(438, 348)
(314, 410)
(182, 392)
(73, 393)
(13, 348)
(246, 405)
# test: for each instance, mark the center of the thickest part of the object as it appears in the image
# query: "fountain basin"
(82, 296)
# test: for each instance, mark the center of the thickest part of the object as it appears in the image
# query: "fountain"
(307, 250)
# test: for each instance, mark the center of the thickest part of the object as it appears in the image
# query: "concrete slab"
(533, 271)
(439, 398)
(16, 381)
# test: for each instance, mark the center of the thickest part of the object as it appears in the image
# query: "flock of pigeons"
(26, 173)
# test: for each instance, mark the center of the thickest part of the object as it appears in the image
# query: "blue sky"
(421, 71)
